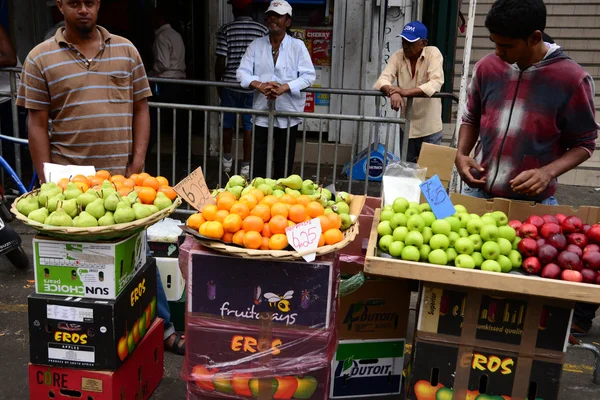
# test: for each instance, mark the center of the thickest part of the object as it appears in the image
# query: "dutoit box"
(87, 269)
(94, 334)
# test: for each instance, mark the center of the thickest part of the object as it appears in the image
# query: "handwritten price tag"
(304, 237)
(436, 196)
(194, 190)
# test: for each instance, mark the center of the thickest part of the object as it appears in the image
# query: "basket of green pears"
(97, 214)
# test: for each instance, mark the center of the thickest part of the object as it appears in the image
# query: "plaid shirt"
(528, 119)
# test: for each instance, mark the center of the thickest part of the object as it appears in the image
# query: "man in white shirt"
(279, 67)
(168, 49)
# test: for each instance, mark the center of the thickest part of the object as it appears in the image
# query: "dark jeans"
(280, 139)
(414, 145)
(584, 314)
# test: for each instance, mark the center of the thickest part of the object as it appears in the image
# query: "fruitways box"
(367, 368)
(137, 378)
(92, 334)
(295, 293)
(87, 269)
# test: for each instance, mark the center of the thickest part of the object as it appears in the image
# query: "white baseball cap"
(280, 7)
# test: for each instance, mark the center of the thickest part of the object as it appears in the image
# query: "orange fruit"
(336, 221)
(117, 185)
(232, 223)
(297, 213)
(314, 209)
(202, 229)
(95, 181)
(147, 195)
(81, 178)
(265, 244)
(277, 224)
(133, 177)
(321, 241)
(249, 200)
(214, 230)
(269, 200)
(137, 188)
(162, 181)
(266, 231)
(130, 183)
(252, 240)
(257, 193)
(168, 191)
(221, 215)
(223, 194)
(82, 186)
(263, 211)
(225, 202)
(240, 209)
(252, 223)
(325, 223)
(104, 174)
(279, 209)
(139, 180)
(195, 220)
(288, 199)
(238, 237)
(124, 191)
(62, 183)
(209, 212)
(291, 223)
(278, 241)
(90, 177)
(117, 178)
(303, 199)
(333, 236)
(227, 237)
(151, 182)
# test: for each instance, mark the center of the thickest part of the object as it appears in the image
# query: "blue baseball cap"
(414, 31)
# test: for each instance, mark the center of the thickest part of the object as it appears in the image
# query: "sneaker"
(245, 171)
(227, 164)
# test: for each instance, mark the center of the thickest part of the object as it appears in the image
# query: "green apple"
(500, 217)
(453, 237)
(387, 215)
(400, 205)
(441, 227)
(474, 226)
(515, 243)
(488, 220)
(515, 258)
(474, 216)
(462, 232)
(414, 238)
(396, 248)
(491, 266)
(439, 241)
(411, 211)
(478, 258)
(424, 207)
(400, 233)
(398, 219)
(414, 204)
(477, 241)
(490, 250)
(460, 209)
(438, 257)
(505, 263)
(464, 246)
(424, 250)
(454, 223)
(415, 223)
(463, 217)
(384, 228)
(489, 233)
(428, 217)
(507, 233)
(451, 254)
(427, 234)
(464, 261)
(410, 253)
(387, 208)
(385, 242)
(505, 246)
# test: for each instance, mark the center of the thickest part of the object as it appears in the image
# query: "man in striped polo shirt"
(232, 40)
(92, 86)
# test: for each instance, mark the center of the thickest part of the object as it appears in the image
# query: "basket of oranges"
(254, 224)
(99, 207)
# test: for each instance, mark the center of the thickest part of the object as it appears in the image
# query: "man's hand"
(463, 166)
(397, 102)
(134, 167)
(277, 90)
(531, 182)
(396, 89)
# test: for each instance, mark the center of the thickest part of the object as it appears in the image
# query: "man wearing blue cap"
(417, 69)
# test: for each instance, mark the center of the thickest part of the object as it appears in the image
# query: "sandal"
(178, 346)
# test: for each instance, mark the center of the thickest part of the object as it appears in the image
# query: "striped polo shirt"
(232, 40)
(90, 102)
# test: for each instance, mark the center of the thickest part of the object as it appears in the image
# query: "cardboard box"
(137, 378)
(98, 270)
(89, 333)
(367, 368)
(377, 310)
(163, 249)
(439, 161)
(171, 277)
(297, 293)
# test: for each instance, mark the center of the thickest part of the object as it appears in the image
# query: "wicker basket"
(96, 233)
(349, 236)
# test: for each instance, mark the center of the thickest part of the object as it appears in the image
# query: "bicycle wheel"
(18, 258)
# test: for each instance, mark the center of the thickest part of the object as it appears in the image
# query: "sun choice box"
(367, 368)
(137, 378)
(98, 270)
(93, 334)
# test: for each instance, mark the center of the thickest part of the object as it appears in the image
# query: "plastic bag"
(166, 230)
(402, 179)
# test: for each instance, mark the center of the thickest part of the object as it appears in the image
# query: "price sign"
(194, 190)
(436, 196)
(304, 237)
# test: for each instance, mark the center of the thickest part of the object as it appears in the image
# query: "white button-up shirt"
(294, 67)
(169, 53)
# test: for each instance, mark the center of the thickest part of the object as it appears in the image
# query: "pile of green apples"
(72, 208)
(411, 232)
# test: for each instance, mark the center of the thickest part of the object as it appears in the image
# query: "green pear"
(341, 208)
(106, 184)
(72, 191)
(96, 208)
(326, 193)
(293, 182)
(270, 182)
(87, 198)
(27, 204)
(247, 189)
(278, 186)
(346, 221)
(107, 219)
(110, 203)
(76, 221)
(236, 190)
(141, 210)
(256, 182)
(133, 197)
(85, 220)
(278, 193)
(236, 180)
(52, 203)
(292, 192)
(70, 207)
(266, 189)
(308, 187)
(48, 193)
(124, 214)
(59, 218)
(124, 204)
(216, 192)
(153, 208)
(38, 215)
(48, 185)
(328, 211)
(162, 201)
(343, 196)
(107, 192)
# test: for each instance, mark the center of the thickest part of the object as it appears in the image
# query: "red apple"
(578, 239)
(585, 228)
(569, 260)
(551, 271)
(591, 247)
(549, 229)
(550, 219)
(535, 220)
(528, 247)
(560, 218)
(594, 234)
(558, 240)
(528, 231)
(547, 254)
(570, 275)
(571, 224)
(575, 249)
(598, 280)
(541, 242)
(589, 276)
(515, 224)
(591, 260)
(532, 265)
